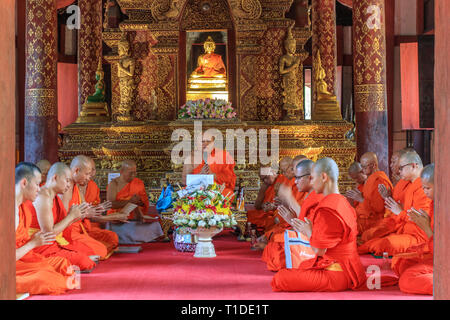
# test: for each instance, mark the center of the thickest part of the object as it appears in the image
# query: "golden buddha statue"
(322, 87)
(211, 72)
(125, 67)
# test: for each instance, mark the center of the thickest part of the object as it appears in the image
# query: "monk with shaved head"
(406, 233)
(370, 208)
(43, 165)
(127, 188)
(331, 231)
(48, 214)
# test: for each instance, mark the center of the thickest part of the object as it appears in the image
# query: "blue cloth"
(165, 199)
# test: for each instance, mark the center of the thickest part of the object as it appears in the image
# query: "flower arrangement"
(204, 208)
(207, 109)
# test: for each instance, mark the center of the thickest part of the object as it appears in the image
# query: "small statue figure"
(153, 105)
(126, 67)
(288, 68)
(99, 94)
(321, 86)
(209, 64)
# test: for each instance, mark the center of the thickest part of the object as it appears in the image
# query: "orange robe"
(273, 253)
(354, 203)
(371, 211)
(415, 267)
(221, 164)
(126, 193)
(107, 237)
(74, 251)
(388, 223)
(407, 233)
(80, 230)
(210, 65)
(257, 216)
(36, 274)
(334, 228)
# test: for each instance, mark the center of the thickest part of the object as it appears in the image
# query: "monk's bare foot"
(94, 258)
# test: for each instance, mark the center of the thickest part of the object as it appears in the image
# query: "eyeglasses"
(400, 168)
(298, 178)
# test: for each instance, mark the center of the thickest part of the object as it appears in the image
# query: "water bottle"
(254, 239)
(386, 264)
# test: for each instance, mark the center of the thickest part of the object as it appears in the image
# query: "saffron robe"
(210, 65)
(371, 211)
(407, 234)
(92, 194)
(221, 164)
(80, 230)
(274, 254)
(257, 216)
(334, 228)
(388, 223)
(74, 251)
(135, 232)
(415, 267)
(36, 274)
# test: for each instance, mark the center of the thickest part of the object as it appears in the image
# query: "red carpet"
(160, 272)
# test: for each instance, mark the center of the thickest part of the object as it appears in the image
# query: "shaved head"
(80, 161)
(327, 166)
(297, 160)
(428, 173)
(286, 167)
(305, 165)
(58, 169)
(128, 170)
(411, 156)
(369, 157)
(369, 163)
(43, 165)
(355, 167)
(127, 164)
(81, 169)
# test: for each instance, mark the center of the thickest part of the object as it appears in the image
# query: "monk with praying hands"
(127, 189)
(370, 208)
(356, 173)
(405, 233)
(331, 230)
(35, 274)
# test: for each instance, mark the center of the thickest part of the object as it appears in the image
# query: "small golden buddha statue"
(322, 87)
(211, 72)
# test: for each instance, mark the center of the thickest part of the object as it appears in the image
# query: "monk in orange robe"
(370, 210)
(265, 198)
(81, 169)
(35, 274)
(274, 254)
(356, 173)
(47, 214)
(407, 233)
(331, 231)
(387, 224)
(141, 226)
(90, 193)
(214, 161)
(415, 267)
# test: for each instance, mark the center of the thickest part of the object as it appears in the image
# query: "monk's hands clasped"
(43, 238)
(76, 212)
(392, 205)
(304, 227)
(421, 219)
(286, 214)
(355, 195)
(384, 192)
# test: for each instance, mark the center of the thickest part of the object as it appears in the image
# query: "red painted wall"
(67, 93)
(409, 65)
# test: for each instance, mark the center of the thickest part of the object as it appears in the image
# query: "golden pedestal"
(94, 112)
(326, 110)
(207, 87)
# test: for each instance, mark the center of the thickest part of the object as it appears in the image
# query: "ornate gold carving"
(195, 17)
(40, 102)
(126, 67)
(166, 9)
(370, 97)
(246, 9)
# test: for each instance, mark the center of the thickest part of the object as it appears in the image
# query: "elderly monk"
(415, 267)
(356, 173)
(35, 274)
(128, 189)
(274, 253)
(213, 161)
(80, 169)
(370, 209)
(90, 193)
(48, 214)
(265, 197)
(43, 165)
(407, 234)
(331, 230)
(387, 225)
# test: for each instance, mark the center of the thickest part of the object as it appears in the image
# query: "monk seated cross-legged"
(407, 234)
(274, 253)
(126, 188)
(35, 274)
(94, 226)
(370, 208)
(415, 267)
(331, 231)
(48, 214)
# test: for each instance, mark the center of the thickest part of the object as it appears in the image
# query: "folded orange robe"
(273, 253)
(36, 274)
(407, 233)
(388, 223)
(257, 216)
(334, 228)
(371, 211)
(415, 267)
(354, 203)
(74, 251)
(221, 164)
(108, 238)
(136, 186)
(81, 229)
